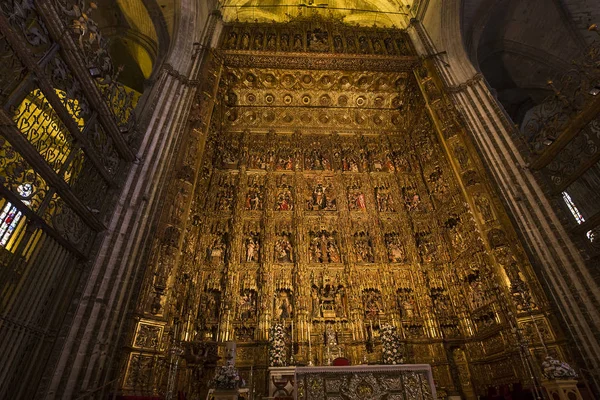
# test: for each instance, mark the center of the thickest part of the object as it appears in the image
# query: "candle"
(251, 381)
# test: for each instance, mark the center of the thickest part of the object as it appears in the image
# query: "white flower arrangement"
(277, 346)
(556, 369)
(392, 348)
(227, 378)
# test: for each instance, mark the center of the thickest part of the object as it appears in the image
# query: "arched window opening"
(577, 214)
(11, 219)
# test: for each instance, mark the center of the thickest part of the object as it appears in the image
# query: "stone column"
(560, 266)
(87, 359)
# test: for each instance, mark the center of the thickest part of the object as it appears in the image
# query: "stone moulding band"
(318, 61)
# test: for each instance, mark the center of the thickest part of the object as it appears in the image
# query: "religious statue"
(484, 208)
(315, 310)
(462, 156)
(363, 43)
(285, 200)
(285, 161)
(258, 41)
(477, 294)
(252, 247)
(254, 197)
(351, 44)
(298, 45)
(402, 162)
(283, 305)
(245, 41)
(216, 251)
(406, 303)
(356, 198)
(179, 206)
(321, 199)
(377, 46)
(271, 42)
(363, 248)
(385, 203)
(210, 304)
(284, 43)
(247, 304)
(383, 163)
(228, 156)
(330, 336)
(389, 45)
(317, 40)
(328, 301)
(225, 197)
(395, 249)
(338, 45)
(283, 248)
(349, 162)
(372, 302)
(323, 248)
(438, 185)
(231, 40)
(315, 160)
(413, 201)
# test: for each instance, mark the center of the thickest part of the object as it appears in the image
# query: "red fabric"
(340, 362)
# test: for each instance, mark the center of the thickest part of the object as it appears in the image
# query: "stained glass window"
(10, 215)
(573, 208)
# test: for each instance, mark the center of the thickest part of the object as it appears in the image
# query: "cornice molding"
(317, 61)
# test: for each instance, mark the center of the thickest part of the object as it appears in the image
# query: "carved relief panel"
(284, 193)
(252, 242)
(362, 244)
(355, 193)
(255, 193)
(217, 242)
(320, 194)
(324, 246)
(284, 247)
(328, 295)
(317, 155)
(224, 189)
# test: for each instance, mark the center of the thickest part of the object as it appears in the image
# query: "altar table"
(364, 382)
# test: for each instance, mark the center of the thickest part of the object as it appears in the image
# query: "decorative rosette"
(277, 346)
(392, 348)
(556, 369)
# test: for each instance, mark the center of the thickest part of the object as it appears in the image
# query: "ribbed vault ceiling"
(362, 12)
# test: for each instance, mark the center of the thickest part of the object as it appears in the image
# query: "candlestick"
(227, 326)
(310, 361)
(251, 382)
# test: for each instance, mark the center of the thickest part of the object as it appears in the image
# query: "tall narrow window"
(10, 215)
(575, 211)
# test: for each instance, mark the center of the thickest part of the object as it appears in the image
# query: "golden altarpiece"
(325, 181)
